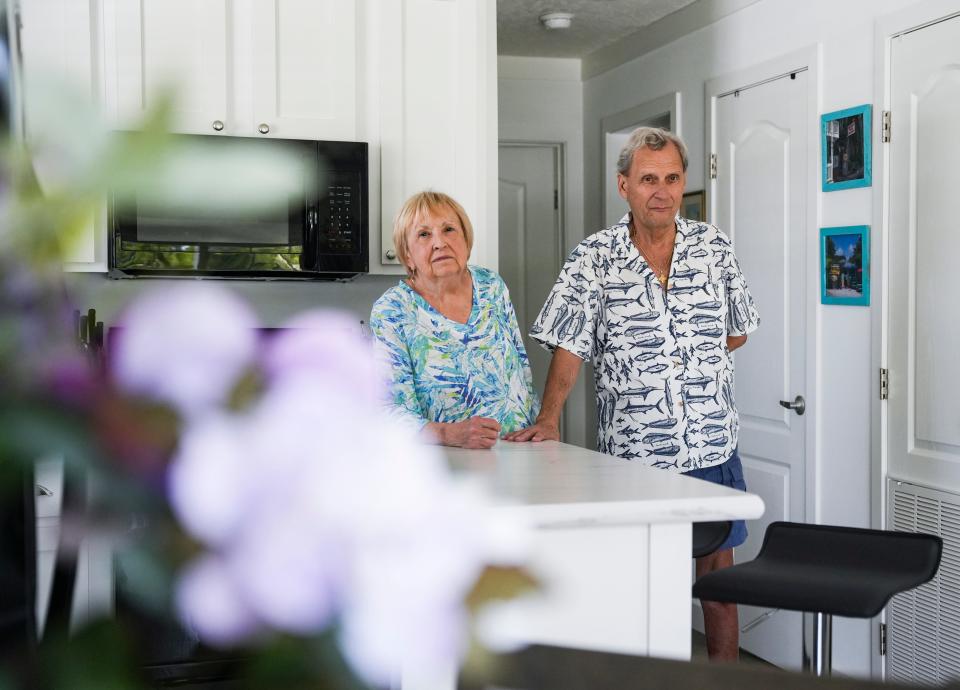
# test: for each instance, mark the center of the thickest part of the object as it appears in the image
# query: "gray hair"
(652, 138)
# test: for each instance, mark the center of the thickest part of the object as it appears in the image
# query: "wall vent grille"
(923, 625)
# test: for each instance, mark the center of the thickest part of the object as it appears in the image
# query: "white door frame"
(804, 59)
(886, 29)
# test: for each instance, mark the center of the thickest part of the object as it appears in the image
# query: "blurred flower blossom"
(185, 345)
(325, 345)
(313, 505)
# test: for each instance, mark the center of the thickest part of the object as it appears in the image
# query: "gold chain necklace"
(661, 273)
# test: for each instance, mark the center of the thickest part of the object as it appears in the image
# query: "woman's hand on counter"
(476, 432)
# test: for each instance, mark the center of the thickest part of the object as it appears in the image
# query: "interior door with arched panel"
(923, 417)
(760, 201)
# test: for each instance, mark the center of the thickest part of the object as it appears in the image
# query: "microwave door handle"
(309, 259)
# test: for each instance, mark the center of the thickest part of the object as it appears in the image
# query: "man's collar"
(623, 247)
(625, 251)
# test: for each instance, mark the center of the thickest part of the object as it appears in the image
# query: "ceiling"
(596, 24)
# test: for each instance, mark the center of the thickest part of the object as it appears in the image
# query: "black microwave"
(320, 232)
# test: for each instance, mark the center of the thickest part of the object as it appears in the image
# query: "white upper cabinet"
(284, 68)
(305, 79)
(56, 41)
(180, 47)
(438, 114)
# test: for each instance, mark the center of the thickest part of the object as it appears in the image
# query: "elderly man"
(659, 303)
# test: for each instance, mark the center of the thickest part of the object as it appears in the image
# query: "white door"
(760, 201)
(924, 246)
(530, 238)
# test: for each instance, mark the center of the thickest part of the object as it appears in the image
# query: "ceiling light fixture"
(556, 20)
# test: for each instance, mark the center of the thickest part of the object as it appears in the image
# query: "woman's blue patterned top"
(445, 371)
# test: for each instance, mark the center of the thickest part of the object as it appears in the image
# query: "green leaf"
(99, 657)
(30, 430)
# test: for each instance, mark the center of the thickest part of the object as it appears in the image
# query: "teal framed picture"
(845, 265)
(845, 148)
(694, 206)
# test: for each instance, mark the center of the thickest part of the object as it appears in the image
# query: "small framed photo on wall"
(845, 265)
(694, 206)
(845, 148)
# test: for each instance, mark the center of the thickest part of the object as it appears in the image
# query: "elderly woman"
(449, 333)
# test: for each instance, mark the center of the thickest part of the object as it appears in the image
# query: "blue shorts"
(729, 473)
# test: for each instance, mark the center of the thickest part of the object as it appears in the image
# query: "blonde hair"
(418, 205)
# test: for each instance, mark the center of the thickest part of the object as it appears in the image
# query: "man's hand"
(564, 367)
(735, 341)
(540, 431)
(476, 432)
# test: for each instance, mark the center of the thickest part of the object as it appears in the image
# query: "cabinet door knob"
(218, 125)
(264, 128)
(391, 255)
(43, 491)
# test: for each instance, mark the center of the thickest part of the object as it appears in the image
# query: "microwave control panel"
(339, 222)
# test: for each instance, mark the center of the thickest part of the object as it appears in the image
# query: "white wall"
(844, 32)
(540, 100)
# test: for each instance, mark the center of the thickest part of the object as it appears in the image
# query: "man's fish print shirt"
(663, 375)
(444, 371)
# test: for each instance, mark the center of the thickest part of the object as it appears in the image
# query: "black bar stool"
(708, 536)
(828, 571)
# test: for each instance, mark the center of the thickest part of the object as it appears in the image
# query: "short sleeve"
(568, 317)
(392, 351)
(742, 315)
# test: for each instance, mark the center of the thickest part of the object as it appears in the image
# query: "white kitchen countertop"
(557, 484)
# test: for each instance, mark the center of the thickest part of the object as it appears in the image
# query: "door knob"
(264, 128)
(218, 125)
(391, 255)
(799, 405)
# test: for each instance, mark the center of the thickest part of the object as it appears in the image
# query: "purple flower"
(313, 504)
(208, 485)
(208, 600)
(329, 345)
(185, 345)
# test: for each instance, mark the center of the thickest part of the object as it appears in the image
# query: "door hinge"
(886, 126)
(884, 384)
(883, 639)
(713, 166)
(556, 199)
